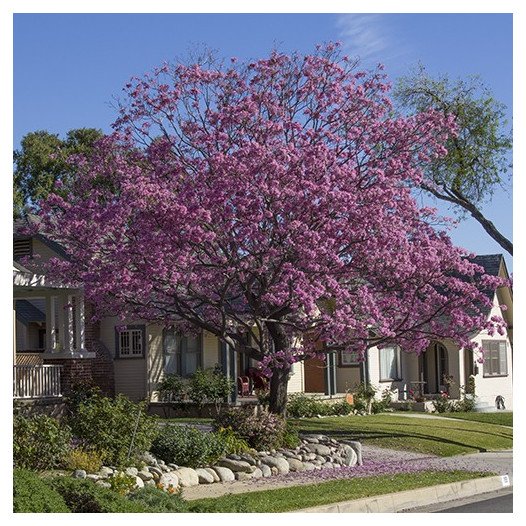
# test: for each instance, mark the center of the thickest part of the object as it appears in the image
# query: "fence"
(36, 381)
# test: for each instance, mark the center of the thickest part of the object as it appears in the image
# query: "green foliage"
(44, 159)
(382, 405)
(187, 446)
(303, 406)
(262, 431)
(122, 483)
(159, 501)
(442, 403)
(231, 441)
(80, 393)
(364, 395)
(87, 459)
(39, 442)
(173, 388)
(110, 425)
(210, 386)
(478, 156)
(291, 437)
(83, 496)
(31, 494)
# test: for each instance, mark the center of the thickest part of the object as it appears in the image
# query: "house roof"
(27, 312)
(23, 225)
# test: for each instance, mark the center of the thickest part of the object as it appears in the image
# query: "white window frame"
(398, 357)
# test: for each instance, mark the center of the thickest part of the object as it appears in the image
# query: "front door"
(314, 370)
(436, 368)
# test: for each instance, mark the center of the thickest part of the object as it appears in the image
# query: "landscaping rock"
(236, 465)
(265, 470)
(233, 456)
(139, 483)
(103, 483)
(240, 475)
(105, 472)
(309, 466)
(224, 474)
(169, 479)
(79, 474)
(279, 463)
(351, 458)
(274, 471)
(173, 466)
(156, 472)
(145, 475)
(93, 477)
(148, 459)
(187, 477)
(357, 446)
(258, 473)
(131, 471)
(215, 476)
(319, 449)
(149, 483)
(327, 465)
(249, 459)
(205, 477)
(295, 465)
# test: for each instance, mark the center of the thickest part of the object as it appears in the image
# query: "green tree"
(42, 160)
(478, 157)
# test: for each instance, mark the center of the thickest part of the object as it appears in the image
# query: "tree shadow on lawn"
(378, 435)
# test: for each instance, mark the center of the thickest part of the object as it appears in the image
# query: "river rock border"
(315, 452)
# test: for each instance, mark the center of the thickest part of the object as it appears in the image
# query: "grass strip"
(430, 435)
(306, 496)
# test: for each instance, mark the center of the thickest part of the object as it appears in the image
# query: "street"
(497, 502)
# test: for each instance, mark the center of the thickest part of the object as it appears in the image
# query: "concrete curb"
(415, 498)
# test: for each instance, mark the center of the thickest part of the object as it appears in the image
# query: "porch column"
(65, 323)
(51, 330)
(330, 374)
(79, 322)
(228, 363)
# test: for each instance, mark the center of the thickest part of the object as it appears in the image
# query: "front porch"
(48, 334)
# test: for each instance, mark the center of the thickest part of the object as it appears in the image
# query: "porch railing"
(36, 381)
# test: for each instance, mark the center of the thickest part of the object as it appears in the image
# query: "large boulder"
(145, 475)
(132, 472)
(236, 465)
(187, 477)
(79, 474)
(105, 472)
(350, 458)
(357, 446)
(205, 477)
(169, 479)
(265, 471)
(224, 474)
(139, 483)
(215, 476)
(280, 464)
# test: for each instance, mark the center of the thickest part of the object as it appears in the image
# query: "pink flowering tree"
(271, 199)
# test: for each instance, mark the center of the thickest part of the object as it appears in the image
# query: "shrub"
(210, 386)
(263, 431)
(83, 496)
(187, 446)
(31, 494)
(340, 408)
(442, 404)
(173, 388)
(39, 442)
(89, 460)
(159, 501)
(110, 425)
(232, 443)
(122, 483)
(79, 393)
(382, 405)
(364, 397)
(303, 406)
(291, 438)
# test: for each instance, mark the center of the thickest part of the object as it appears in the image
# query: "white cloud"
(369, 37)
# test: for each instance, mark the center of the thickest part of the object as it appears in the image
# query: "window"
(390, 364)
(495, 358)
(349, 359)
(182, 354)
(131, 341)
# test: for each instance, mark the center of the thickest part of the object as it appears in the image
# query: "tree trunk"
(278, 391)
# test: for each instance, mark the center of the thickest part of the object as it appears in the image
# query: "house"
(132, 357)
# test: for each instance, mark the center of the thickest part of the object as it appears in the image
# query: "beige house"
(132, 357)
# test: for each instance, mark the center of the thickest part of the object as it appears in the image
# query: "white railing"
(36, 381)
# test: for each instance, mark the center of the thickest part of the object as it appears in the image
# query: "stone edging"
(415, 498)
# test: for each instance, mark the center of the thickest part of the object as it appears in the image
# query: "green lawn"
(306, 496)
(435, 436)
(501, 419)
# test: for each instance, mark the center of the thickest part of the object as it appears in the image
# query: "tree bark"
(278, 391)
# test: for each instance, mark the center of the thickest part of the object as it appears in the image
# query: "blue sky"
(68, 68)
